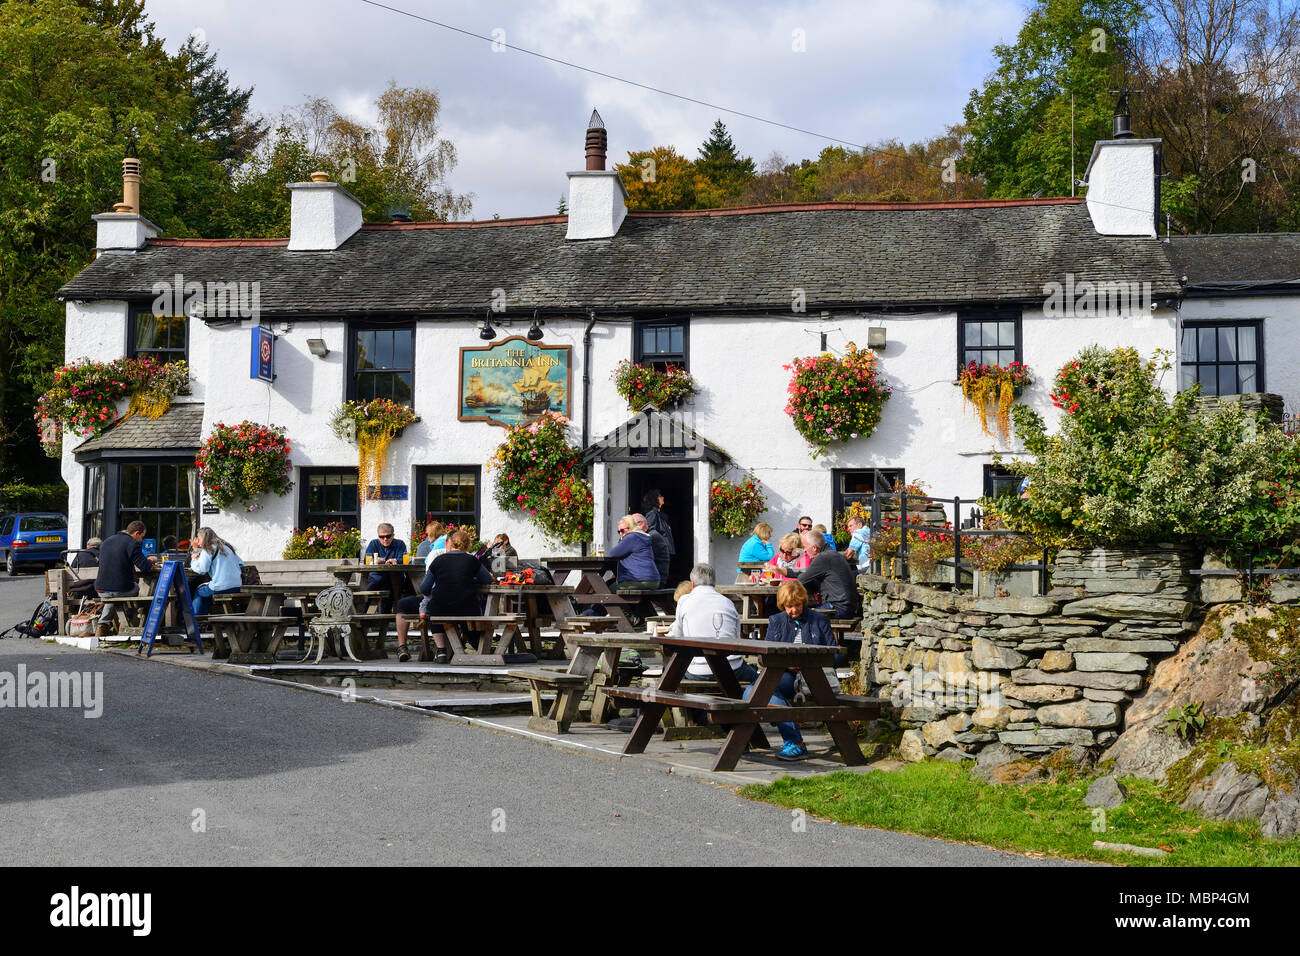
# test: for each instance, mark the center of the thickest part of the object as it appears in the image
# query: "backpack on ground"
(44, 621)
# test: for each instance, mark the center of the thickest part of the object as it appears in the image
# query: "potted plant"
(238, 463)
(991, 390)
(836, 398)
(642, 385)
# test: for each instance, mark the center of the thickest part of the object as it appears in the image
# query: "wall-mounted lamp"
(876, 337)
(318, 348)
(486, 332)
(535, 330)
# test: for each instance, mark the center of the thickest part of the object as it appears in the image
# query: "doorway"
(677, 485)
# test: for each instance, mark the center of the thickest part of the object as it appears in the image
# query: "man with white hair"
(705, 612)
(830, 577)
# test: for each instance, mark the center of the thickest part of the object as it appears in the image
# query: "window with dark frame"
(162, 337)
(329, 495)
(383, 364)
(92, 525)
(164, 495)
(1224, 358)
(661, 343)
(988, 338)
(859, 485)
(450, 494)
(998, 481)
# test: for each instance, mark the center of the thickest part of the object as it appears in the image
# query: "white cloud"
(873, 69)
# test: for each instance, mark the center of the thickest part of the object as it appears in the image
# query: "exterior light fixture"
(485, 331)
(876, 337)
(535, 330)
(318, 348)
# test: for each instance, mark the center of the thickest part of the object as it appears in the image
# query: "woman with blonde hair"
(217, 559)
(757, 548)
(790, 558)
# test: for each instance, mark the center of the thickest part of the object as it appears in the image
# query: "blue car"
(32, 539)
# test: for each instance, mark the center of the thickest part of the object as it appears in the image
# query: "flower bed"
(334, 540)
(241, 462)
(642, 385)
(735, 507)
(834, 398)
(992, 390)
(85, 395)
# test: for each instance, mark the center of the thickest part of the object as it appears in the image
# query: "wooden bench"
(677, 722)
(459, 629)
(248, 638)
(595, 662)
(584, 623)
(552, 720)
(128, 610)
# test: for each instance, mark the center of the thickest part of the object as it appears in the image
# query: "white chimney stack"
(322, 214)
(597, 199)
(124, 229)
(1123, 187)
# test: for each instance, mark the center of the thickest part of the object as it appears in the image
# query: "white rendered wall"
(1121, 188)
(597, 204)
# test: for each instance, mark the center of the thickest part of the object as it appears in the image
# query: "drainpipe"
(586, 389)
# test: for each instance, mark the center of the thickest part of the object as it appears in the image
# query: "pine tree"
(722, 165)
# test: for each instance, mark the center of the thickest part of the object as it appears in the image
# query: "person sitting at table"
(635, 556)
(217, 559)
(386, 549)
(826, 536)
(450, 584)
(683, 589)
(87, 557)
(432, 532)
(830, 577)
(794, 623)
(859, 547)
(790, 558)
(658, 547)
(118, 556)
(757, 548)
(706, 612)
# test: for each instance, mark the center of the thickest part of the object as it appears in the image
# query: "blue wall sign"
(263, 354)
(387, 492)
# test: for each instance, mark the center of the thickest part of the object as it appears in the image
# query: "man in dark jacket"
(830, 577)
(120, 556)
(652, 504)
(658, 546)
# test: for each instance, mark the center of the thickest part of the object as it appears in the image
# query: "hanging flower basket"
(734, 507)
(371, 426)
(532, 460)
(567, 514)
(85, 396)
(238, 463)
(836, 398)
(642, 385)
(992, 390)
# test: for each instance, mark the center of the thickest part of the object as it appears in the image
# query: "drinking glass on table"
(717, 625)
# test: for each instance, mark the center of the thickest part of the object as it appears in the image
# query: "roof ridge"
(859, 206)
(218, 242)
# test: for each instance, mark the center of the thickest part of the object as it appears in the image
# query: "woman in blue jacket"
(795, 623)
(758, 547)
(218, 560)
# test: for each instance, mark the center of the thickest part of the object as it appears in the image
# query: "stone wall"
(1036, 674)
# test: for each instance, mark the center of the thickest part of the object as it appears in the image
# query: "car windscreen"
(42, 523)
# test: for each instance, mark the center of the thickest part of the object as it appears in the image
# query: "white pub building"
(398, 309)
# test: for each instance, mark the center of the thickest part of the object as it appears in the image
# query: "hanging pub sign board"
(171, 580)
(263, 366)
(514, 381)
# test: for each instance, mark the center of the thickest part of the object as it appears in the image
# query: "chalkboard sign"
(171, 578)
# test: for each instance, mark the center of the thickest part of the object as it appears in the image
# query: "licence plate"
(47, 538)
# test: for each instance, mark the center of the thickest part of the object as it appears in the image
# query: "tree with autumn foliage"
(662, 178)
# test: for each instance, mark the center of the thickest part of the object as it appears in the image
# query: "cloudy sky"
(868, 70)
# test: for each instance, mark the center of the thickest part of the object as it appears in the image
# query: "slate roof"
(840, 254)
(179, 427)
(1232, 261)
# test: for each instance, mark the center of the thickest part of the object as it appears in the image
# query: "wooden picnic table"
(248, 638)
(750, 599)
(741, 717)
(130, 610)
(397, 574)
(269, 600)
(585, 576)
(595, 660)
(538, 603)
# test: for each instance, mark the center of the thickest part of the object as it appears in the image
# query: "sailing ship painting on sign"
(513, 381)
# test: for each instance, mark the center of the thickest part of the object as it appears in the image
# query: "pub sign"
(514, 381)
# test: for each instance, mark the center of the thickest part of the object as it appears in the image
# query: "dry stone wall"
(1035, 674)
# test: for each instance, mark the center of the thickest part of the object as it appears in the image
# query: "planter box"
(1014, 583)
(941, 575)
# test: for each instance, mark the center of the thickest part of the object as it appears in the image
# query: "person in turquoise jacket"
(218, 560)
(758, 547)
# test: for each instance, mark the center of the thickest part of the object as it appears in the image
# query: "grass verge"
(941, 800)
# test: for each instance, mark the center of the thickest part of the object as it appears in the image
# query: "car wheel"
(10, 566)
